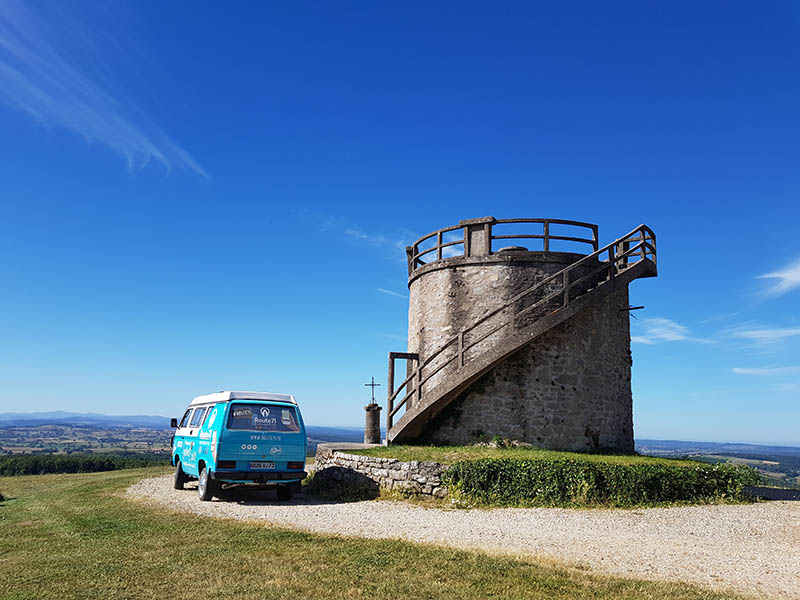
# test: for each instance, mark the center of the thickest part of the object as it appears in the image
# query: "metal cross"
(373, 385)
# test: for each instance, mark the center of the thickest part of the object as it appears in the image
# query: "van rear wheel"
(206, 486)
(284, 492)
(179, 478)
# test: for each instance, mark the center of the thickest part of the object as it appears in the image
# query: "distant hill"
(61, 417)
(677, 447)
(335, 434)
(321, 433)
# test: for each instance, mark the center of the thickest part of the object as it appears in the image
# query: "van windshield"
(263, 417)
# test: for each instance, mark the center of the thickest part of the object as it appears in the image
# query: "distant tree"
(37, 464)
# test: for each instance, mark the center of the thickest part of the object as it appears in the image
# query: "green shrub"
(570, 482)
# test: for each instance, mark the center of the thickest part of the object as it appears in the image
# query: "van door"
(179, 440)
(190, 441)
(207, 436)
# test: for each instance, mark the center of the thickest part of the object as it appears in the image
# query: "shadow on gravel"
(260, 497)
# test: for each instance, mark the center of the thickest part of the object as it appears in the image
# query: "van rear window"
(262, 417)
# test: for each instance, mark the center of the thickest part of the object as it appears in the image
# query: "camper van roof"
(227, 396)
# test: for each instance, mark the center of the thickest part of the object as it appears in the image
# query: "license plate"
(262, 465)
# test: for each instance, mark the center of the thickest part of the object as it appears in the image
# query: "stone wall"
(449, 295)
(412, 477)
(569, 389)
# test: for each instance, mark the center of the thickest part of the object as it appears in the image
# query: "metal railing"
(545, 297)
(475, 237)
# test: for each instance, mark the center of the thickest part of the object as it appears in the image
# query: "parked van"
(253, 438)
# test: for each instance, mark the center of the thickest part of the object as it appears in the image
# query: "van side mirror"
(173, 422)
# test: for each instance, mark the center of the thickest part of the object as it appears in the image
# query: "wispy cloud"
(395, 337)
(787, 279)
(766, 335)
(766, 371)
(374, 239)
(787, 387)
(719, 317)
(49, 69)
(458, 249)
(658, 330)
(392, 244)
(391, 293)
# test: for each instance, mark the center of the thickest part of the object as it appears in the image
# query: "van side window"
(207, 422)
(185, 419)
(197, 417)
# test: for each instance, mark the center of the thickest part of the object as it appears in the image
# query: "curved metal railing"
(544, 297)
(475, 237)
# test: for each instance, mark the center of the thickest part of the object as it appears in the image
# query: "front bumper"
(259, 476)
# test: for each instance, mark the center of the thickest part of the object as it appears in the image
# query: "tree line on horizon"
(41, 464)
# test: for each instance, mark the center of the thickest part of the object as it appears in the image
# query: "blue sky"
(197, 198)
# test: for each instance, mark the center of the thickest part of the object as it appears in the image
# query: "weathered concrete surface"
(569, 389)
(372, 424)
(451, 294)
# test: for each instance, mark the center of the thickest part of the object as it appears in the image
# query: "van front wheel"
(179, 478)
(206, 486)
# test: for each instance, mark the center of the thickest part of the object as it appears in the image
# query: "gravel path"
(753, 548)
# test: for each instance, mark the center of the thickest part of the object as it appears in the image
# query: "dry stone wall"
(413, 477)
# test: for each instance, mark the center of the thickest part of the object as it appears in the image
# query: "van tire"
(179, 478)
(207, 487)
(284, 492)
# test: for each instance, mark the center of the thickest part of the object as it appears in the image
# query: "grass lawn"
(78, 536)
(450, 454)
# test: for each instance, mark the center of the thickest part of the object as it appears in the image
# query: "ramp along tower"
(528, 344)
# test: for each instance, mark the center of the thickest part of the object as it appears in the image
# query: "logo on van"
(265, 419)
(275, 450)
(212, 417)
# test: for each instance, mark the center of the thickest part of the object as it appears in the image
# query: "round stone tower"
(527, 344)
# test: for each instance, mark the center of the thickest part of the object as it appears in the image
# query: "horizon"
(361, 428)
(199, 199)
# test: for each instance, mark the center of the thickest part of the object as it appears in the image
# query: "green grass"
(78, 536)
(449, 454)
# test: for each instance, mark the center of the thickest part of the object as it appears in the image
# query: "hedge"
(570, 482)
(39, 464)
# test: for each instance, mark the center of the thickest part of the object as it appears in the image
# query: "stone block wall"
(569, 389)
(414, 477)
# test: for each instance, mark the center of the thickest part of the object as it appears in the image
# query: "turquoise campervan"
(240, 438)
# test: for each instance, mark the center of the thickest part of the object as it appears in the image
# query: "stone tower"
(526, 342)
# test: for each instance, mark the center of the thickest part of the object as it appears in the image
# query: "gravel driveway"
(751, 548)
